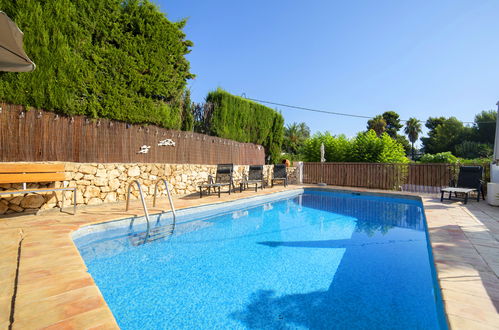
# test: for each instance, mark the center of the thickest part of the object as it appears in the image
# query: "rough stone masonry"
(108, 183)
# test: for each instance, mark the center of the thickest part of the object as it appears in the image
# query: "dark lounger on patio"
(223, 178)
(255, 176)
(280, 174)
(469, 180)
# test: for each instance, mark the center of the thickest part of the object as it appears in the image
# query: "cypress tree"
(242, 120)
(115, 59)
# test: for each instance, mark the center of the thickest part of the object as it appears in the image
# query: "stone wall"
(108, 183)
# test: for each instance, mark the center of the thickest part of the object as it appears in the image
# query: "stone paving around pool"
(44, 275)
(465, 242)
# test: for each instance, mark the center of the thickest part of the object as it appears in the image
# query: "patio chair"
(469, 180)
(280, 174)
(255, 176)
(223, 178)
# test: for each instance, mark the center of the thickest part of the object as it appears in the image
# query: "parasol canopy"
(12, 55)
(496, 142)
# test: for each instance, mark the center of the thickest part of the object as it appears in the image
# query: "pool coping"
(55, 290)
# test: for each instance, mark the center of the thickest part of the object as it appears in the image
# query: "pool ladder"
(157, 233)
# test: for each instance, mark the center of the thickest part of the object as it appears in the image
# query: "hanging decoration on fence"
(166, 142)
(144, 149)
(111, 142)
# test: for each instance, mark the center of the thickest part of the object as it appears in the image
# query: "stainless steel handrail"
(167, 187)
(143, 204)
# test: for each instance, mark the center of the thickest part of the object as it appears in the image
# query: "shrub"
(471, 149)
(366, 147)
(474, 161)
(442, 157)
(336, 149)
(311, 148)
(122, 60)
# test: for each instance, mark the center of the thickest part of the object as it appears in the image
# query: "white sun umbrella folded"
(496, 142)
(494, 167)
(12, 55)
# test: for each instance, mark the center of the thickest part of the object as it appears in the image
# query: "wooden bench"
(25, 172)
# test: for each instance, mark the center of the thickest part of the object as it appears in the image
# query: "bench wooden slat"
(32, 177)
(26, 191)
(31, 168)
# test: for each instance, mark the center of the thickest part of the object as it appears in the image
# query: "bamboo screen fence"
(427, 178)
(36, 135)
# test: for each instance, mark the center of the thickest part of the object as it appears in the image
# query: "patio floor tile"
(55, 291)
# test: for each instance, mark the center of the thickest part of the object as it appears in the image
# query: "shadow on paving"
(488, 215)
(454, 237)
(456, 251)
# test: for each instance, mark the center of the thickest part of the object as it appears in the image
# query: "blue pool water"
(315, 260)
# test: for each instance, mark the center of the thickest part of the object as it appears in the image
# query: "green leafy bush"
(368, 147)
(475, 161)
(365, 147)
(239, 119)
(336, 149)
(471, 149)
(442, 157)
(115, 59)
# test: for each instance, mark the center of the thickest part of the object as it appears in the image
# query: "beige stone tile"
(94, 319)
(45, 312)
(473, 312)
(5, 303)
(472, 286)
(65, 297)
(452, 269)
(464, 299)
(458, 322)
(49, 251)
(7, 269)
(34, 274)
(30, 293)
(49, 280)
(105, 326)
(6, 288)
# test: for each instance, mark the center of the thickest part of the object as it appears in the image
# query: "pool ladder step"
(154, 234)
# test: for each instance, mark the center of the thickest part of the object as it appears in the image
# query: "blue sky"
(418, 58)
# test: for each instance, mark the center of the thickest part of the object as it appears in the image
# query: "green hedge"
(115, 59)
(242, 120)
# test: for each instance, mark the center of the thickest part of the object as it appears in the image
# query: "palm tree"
(294, 136)
(377, 124)
(413, 129)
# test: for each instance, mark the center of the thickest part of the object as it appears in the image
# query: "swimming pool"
(303, 259)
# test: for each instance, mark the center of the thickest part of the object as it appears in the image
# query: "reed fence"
(37, 135)
(429, 178)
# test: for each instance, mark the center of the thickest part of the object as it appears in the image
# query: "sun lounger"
(280, 174)
(223, 178)
(469, 180)
(255, 176)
